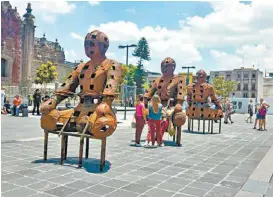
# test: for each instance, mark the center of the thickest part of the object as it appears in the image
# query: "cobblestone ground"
(206, 165)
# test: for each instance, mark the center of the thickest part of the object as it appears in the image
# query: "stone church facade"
(22, 53)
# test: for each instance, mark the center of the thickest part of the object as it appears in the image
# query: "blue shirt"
(153, 115)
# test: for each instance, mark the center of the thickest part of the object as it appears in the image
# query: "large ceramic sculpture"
(198, 96)
(169, 87)
(98, 80)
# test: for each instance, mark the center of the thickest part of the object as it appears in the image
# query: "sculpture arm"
(67, 89)
(214, 98)
(189, 95)
(150, 91)
(113, 80)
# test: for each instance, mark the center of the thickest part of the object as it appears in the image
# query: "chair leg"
(178, 138)
(191, 125)
(209, 126)
(174, 138)
(102, 154)
(87, 148)
(81, 151)
(204, 122)
(212, 126)
(45, 145)
(220, 125)
(66, 144)
(62, 149)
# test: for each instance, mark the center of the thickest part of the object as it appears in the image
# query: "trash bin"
(25, 112)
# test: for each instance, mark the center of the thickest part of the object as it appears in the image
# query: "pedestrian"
(3, 97)
(29, 98)
(257, 108)
(16, 105)
(7, 108)
(130, 102)
(262, 114)
(140, 119)
(36, 101)
(250, 111)
(228, 111)
(154, 120)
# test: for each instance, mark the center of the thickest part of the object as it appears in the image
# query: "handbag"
(133, 123)
(171, 129)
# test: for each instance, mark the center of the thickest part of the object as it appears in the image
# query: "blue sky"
(208, 35)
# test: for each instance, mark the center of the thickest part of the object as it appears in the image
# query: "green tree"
(46, 74)
(223, 87)
(142, 51)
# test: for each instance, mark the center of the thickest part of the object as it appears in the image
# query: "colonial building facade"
(22, 53)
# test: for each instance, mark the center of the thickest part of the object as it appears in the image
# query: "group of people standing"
(157, 116)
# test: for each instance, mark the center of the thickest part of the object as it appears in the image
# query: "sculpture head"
(168, 66)
(96, 44)
(201, 76)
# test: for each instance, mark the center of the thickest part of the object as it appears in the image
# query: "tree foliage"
(223, 87)
(142, 51)
(47, 73)
(129, 73)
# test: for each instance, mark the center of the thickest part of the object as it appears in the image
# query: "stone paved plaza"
(206, 165)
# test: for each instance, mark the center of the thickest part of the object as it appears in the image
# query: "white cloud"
(94, 3)
(110, 55)
(162, 41)
(131, 10)
(76, 36)
(261, 56)
(48, 9)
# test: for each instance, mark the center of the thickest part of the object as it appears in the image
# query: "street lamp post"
(188, 74)
(125, 86)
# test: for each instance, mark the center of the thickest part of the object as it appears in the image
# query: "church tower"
(27, 46)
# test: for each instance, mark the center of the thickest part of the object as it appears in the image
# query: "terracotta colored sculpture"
(198, 94)
(98, 80)
(169, 86)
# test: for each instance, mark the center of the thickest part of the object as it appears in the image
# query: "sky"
(208, 35)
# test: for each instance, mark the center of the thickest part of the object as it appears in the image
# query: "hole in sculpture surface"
(209, 115)
(105, 39)
(161, 80)
(167, 62)
(81, 76)
(202, 115)
(181, 81)
(82, 100)
(170, 81)
(81, 87)
(193, 91)
(91, 87)
(94, 37)
(202, 103)
(159, 87)
(76, 68)
(180, 93)
(112, 76)
(146, 91)
(63, 84)
(105, 128)
(181, 87)
(192, 114)
(202, 109)
(85, 67)
(113, 67)
(76, 113)
(93, 75)
(69, 76)
(89, 113)
(193, 109)
(50, 103)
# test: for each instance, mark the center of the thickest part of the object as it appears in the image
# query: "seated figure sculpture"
(169, 87)
(199, 95)
(98, 80)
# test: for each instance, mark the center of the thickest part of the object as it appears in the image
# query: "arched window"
(3, 67)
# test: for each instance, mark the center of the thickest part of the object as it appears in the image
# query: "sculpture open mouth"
(105, 128)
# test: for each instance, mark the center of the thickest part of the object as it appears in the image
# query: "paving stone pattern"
(206, 165)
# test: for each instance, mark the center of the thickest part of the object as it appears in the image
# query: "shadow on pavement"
(91, 165)
(200, 132)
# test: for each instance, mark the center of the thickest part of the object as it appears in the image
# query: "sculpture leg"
(209, 126)
(45, 144)
(198, 125)
(87, 148)
(178, 138)
(212, 126)
(102, 154)
(174, 138)
(191, 125)
(62, 149)
(81, 151)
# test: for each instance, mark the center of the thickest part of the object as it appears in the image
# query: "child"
(155, 115)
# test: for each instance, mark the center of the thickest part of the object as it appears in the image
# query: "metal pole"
(188, 77)
(125, 87)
